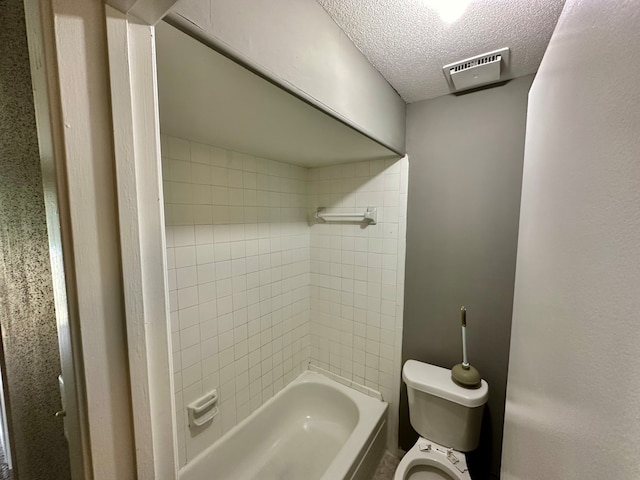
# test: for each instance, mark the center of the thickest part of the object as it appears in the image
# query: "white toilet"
(448, 419)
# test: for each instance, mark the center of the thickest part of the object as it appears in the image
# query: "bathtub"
(313, 429)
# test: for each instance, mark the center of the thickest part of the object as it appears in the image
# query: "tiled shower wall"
(238, 270)
(256, 292)
(357, 276)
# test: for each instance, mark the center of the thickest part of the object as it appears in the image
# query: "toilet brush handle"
(463, 315)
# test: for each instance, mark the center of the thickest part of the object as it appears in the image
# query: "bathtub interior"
(298, 434)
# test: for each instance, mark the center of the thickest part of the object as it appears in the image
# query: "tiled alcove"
(257, 292)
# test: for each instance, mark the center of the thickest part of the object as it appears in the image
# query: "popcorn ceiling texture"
(409, 43)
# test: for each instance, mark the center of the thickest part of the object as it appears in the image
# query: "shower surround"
(257, 292)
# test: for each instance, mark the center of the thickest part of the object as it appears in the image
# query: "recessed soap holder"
(202, 410)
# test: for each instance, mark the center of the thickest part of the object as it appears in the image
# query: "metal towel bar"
(370, 216)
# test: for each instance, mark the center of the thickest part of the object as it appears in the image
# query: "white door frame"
(94, 84)
(94, 80)
(136, 127)
(47, 107)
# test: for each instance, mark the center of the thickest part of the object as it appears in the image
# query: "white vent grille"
(475, 63)
(477, 71)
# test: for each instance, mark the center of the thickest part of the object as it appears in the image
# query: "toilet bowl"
(448, 419)
(429, 461)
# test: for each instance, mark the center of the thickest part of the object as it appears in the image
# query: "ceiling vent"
(476, 71)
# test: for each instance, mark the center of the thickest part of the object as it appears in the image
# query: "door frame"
(136, 126)
(96, 252)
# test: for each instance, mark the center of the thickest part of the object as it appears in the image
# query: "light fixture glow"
(449, 10)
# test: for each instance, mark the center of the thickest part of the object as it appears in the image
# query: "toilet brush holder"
(463, 373)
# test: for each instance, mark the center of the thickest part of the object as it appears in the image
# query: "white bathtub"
(314, 429)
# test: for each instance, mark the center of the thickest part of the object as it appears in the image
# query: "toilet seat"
(428, 453)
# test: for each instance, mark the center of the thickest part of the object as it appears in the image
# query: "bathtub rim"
(372, 416)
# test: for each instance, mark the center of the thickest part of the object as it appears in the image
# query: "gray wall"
(27, 317)
(466, 155)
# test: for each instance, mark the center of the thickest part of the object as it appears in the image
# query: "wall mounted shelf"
(369, 217)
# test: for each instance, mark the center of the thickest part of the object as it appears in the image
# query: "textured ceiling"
(408, 41)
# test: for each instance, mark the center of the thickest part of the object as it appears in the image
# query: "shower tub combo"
(313, 429)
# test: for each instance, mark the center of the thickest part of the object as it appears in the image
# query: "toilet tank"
(442, 411)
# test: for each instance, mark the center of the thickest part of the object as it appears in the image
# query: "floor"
(386, 467)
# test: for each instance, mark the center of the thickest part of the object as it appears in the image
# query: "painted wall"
(357, 276)
(466, 169)
(299, 43)
(572, 402)
(27, 316)
(238, 270)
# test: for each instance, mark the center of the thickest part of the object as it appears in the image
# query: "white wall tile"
(356, 300)
(255, 292)
(238, 288)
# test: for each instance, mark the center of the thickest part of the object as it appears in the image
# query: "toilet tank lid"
(437, 381)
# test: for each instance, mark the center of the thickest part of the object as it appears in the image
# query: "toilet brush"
(464, 374)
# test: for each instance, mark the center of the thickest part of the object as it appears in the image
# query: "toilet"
(448, 419)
